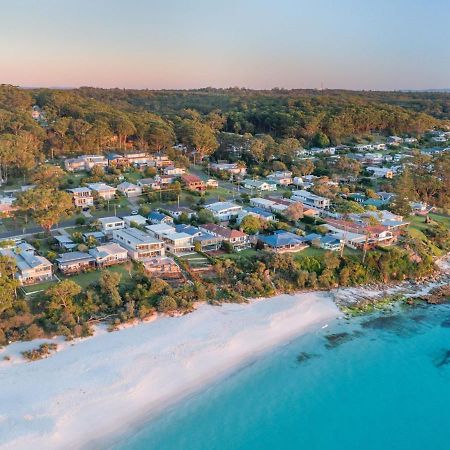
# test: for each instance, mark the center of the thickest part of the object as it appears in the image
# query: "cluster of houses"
(138, 160)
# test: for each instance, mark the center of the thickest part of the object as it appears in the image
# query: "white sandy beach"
(105, 384)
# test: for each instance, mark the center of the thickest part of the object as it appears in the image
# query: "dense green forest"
(91, 119)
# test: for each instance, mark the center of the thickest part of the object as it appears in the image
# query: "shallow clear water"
(370, 383)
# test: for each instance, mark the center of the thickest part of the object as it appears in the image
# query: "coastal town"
(193, 213)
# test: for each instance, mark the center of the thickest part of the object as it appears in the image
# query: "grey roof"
(74, 256)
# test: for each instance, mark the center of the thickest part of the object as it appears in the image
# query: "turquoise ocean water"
(371, 383)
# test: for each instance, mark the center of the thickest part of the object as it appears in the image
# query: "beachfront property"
(310, 199)
(283, 242)
(139, 245)
(326, 242)
(259, 185)
(74, 262)
(178, 243)
(238, 239)
(82, 197)
(161, 266)
(224, 211)
(193, 182)
(109, 254)
(31, 268)
(102, 190)
(129, 189)
(207, 241)
(109, 224)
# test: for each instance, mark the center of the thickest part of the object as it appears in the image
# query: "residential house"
(207, 241)
(164, 180)
(381, 172)
(260, 213)
(238, 239)
(96, 236)
(136, 219)
(109, 254)
(259, 185)
(74, 164)
(193, 182)
(211, 183)
(161, 267)
(129, 189)
(158, 230)
(65, 242)
(109, 224)
(177, 211)
(173, 171)
(311, 199)
(284, 242)
(224, 211)
(178, 243)
(91, 161)
(74, 262)
(138, 244)
(103, 190)
(156, 217)
(148, 184)
(231, 168)
(282, 178)
(326, 242)
(31, 268)
(82, 197)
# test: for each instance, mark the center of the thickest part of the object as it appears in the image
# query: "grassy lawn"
(38, 288)
(242, 254)
(418, 226)
(86, 279)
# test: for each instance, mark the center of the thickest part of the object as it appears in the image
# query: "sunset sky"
(354, 44)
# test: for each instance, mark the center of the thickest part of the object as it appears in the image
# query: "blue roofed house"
(284, 241)
(326, 242)
(156, 217)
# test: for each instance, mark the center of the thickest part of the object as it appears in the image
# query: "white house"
(109, 224)
(129, 189)
(174, 171)
(137, 219)
(283, 178)
(103, 190)
(224, 211)
(138, 244)
(311, 199)
(178, 242)
(82, 197)
(259, 185)
(109, 254)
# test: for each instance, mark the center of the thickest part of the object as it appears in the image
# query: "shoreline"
(116, 380)
(120, 380)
